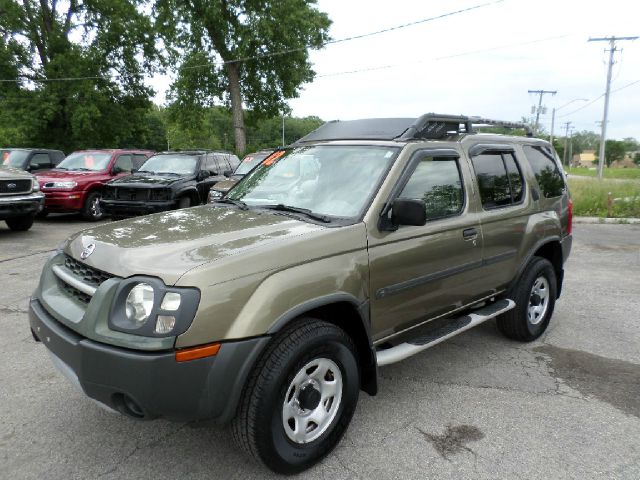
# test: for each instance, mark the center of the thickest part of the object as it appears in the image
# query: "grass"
(624, 173)
(590, 198)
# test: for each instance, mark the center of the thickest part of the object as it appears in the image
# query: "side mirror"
(202, 174)
(406, 211)
(33, 167)
(228, 173)
(116, 170)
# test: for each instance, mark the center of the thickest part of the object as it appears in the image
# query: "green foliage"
(590, 197)
(49, 40)
(212, 128)
(636, 158)
(614, 150)
(212, 34)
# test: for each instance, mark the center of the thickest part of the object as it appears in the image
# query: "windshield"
(177, 164)
(249, 162)
(89, 161)
(328, 180)
(14, 158)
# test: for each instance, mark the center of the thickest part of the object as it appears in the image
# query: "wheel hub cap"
(312, 400)
(538, 300)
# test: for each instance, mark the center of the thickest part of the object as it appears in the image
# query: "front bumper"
(131, 208)
(149, 384)
(21, 205)
(64, 201)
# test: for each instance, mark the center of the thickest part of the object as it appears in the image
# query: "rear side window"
(437, 182)
(546, 170)
(499, 179)
(138, 160)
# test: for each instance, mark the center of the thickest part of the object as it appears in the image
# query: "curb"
(609, 221)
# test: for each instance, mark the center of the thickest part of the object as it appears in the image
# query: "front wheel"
(92, 210)
(535, 297)
(300, 398)
(20, 224)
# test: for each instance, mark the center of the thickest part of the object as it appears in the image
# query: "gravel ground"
(477, 406)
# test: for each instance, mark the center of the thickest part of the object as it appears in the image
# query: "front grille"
(160, 194)
(89, 275)
(15, 186)
(74, 292)
(131, 194)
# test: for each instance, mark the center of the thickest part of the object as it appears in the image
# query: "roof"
(431, 126)
(192, 152)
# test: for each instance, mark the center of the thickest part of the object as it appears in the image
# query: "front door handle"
(470, 233)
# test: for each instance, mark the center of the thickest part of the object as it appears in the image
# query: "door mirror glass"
(202, 174)
(408, 211)
(228, 173)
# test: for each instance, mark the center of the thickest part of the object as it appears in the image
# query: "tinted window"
(546, 170)
(437, 182)
(40, 159)
(138, 160)
(499, 179)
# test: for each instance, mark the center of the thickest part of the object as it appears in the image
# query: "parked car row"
(116, 182)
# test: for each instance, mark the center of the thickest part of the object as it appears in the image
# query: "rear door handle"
(470, 233)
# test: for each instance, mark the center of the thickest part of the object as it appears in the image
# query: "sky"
(479, 62)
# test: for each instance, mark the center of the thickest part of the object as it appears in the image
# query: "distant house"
(585, 159)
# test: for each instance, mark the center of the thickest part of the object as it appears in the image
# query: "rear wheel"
(535, 297)
(92, 210)
(299, 400)
(20, 224)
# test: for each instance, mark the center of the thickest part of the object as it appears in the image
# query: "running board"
(451, 329)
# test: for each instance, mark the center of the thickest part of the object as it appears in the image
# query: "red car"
(75, 185)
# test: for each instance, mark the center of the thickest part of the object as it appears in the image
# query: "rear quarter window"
(499, 179)
(546, 170)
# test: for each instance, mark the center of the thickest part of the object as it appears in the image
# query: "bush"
(590, 198)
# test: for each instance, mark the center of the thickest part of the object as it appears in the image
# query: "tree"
(614, 150)
(242, 52)
(109, 43)
(636, 158)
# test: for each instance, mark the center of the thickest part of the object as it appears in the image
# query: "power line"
(598, 98)
(281, 52)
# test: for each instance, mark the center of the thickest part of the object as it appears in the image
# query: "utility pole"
(603, 136)
(570, 146)
(566, 136)
(539, 109)
(553, 115)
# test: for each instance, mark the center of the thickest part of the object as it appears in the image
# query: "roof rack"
(431, 126)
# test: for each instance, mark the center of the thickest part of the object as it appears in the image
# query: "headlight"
(139, 303)
(146, 306)
(214, 195)
(63, 185)
(35, 186)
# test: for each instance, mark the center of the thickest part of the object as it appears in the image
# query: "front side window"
(85, 161)
(42, 160)
(331, 180)
(438, 183)
(124, 163)
(170, 164)
(499, 179)
(546, 170)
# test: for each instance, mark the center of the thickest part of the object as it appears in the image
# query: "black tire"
(43, 213)
(20, 224)
(184, 202)
(92, 210)
(258, 427)
(516, 323)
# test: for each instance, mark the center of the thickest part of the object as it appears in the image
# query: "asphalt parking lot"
(478, 406)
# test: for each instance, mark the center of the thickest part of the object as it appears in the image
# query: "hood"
(7, 172)
(225, 185)
(168, 244)
(148, 180)
(81, 178)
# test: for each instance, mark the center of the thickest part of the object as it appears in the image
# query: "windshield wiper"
(304, 211)
(238, 203)
(167, 173)
(82, 169)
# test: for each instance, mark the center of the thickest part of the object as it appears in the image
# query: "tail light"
(570, 217)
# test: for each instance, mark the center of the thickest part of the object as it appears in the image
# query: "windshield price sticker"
(273, 157)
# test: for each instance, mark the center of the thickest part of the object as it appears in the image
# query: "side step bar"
(456, 326)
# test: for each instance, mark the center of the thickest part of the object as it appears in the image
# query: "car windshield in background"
(15, 158)
(249, 162)
(332, 180)
(176, 164)
(85, 161)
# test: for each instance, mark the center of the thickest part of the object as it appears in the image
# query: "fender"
(529, 255)
(360, 333)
